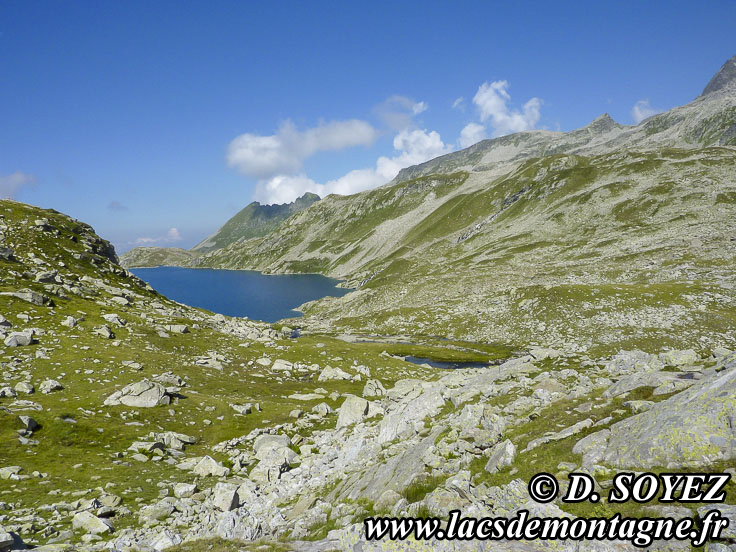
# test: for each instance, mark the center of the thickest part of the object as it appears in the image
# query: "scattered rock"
(143, 394)
(24, 387)
(330, 373)
(209, 466)
(49, 386)
(502, 455)
(225, 497)
(18, 339)
(90, 523)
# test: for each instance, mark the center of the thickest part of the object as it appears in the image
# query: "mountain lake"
(258, 296)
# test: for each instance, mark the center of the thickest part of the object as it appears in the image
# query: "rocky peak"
(725, 77)
(602, 123)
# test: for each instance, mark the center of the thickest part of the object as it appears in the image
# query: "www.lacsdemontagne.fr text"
(641, 532)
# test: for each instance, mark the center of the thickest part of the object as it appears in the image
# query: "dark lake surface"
(240, 292)
(445, 365)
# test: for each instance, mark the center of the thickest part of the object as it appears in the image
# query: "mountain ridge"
(504, 206)
(252, 221)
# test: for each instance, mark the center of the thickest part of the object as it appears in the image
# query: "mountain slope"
(515, 234)
(156, 256)
(252, 221)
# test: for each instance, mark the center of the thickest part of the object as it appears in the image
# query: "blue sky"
(156, 121)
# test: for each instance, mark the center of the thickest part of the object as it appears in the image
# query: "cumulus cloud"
(284, 153)
(642, 110)
(172, 236)
(411, 147)
(471, 134)
(12, 183)
(492, 101)
(115, 205)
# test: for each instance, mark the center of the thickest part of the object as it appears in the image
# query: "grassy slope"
(609, 250)
(78, 457)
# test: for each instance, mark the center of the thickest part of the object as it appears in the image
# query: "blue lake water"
(240, 292)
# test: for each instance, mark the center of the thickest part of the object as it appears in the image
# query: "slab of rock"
(564, 434)
(49, 386)
(210, 466)
(29, 423)
(637, 380)
(373, 388)
(242, 408)
(29, 296)
(184, 490)
(330, 373)
(502, 455)
(90, 523)
(6, 540)
(143, 394)
(679, 358)
(266, 442)
(225, 497)
(306, 396)
(9, 471)
(158, 511)
(114, 319)
(273, 462)
(280, 365)
(69, 322)
(104, 331)
(406, 420)
(18, 339)
(694, 428)
(323, 409)
(177, 328)
(25, 387)
(352, 410)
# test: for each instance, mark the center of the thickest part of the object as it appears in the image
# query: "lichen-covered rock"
(691, 429)
(502, 455)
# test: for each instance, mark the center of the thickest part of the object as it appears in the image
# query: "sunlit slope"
(606, 234)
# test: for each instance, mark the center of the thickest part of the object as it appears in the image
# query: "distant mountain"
(253, 221)
(141, 257)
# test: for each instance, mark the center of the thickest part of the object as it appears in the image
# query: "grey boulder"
(143, 394)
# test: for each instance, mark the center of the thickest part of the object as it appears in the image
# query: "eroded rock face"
(691, 429)
(143, 394)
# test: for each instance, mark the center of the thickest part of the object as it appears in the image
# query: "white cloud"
(12, 183)
(264, 157)
(412, 147)
(419, 107)
(492, 101)
(642, 110)
(172, 236)
(471, 134)
(459, 103)
(397, 112)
